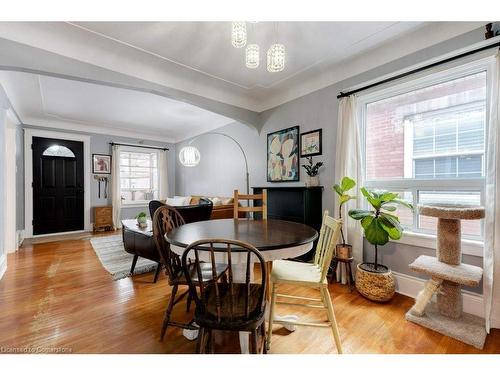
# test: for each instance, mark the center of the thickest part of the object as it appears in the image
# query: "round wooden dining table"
(275, 239)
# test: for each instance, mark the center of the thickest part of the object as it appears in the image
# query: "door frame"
(29, 133)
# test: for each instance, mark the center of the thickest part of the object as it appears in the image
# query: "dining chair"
(312, 275)
(227, 305)
(165, 219)
(261, 198)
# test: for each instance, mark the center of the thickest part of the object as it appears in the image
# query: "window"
(138, 176)
(426, 140)
(59, 151)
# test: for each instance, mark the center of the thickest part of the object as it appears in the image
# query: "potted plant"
(312, 171)
(142, 219)
(343, 250)
(373, 280)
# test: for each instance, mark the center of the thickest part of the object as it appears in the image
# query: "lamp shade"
(189, 156)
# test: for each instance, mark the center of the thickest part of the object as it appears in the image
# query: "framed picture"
(101, 164)
(283, 155)
(310, 143)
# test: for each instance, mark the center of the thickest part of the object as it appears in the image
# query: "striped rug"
(116, 260)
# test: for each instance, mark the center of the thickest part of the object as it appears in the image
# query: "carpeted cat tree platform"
(448, 275)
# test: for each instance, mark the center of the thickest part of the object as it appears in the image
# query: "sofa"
(223, 207)
(190, 213)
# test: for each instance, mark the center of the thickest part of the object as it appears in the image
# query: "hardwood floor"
(57, 295)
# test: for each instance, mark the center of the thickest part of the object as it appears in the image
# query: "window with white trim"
(139, 179)
(426, 140)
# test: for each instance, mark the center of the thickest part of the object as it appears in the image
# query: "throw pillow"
(226, 201)
(179, 201)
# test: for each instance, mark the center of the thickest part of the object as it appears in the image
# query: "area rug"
(116, 260)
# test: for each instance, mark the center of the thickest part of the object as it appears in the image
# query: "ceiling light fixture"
(276, 58)
(238, 34)
(252, 56)
(189, 156)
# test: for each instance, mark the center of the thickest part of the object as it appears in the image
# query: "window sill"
(469, 247)
(135, 204)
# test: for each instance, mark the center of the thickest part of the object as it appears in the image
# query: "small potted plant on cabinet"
(373, 280)
(344, 250)
(312, 171)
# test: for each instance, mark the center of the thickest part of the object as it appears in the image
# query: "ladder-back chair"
(260, 198)
(312, 275)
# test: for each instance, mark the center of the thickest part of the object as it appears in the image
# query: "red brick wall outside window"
(385, 133)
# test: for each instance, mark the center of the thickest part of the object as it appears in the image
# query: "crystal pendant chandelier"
(252, 56)
(276, 58)
(239, 34)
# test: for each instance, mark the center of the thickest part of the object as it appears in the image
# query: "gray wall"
(316, 110)
(222, 165)
(99, 144)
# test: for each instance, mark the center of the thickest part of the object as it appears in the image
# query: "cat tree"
(447, 275)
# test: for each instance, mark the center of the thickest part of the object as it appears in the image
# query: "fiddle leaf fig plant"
(378, 224)
(341, 189)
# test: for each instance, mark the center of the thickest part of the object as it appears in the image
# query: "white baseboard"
(410, 286)
(3, 265)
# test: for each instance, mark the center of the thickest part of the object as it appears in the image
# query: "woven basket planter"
(378, 287)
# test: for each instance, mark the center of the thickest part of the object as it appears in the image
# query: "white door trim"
(10, 185)
(28, 173)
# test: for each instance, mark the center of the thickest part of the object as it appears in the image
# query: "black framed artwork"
(311, 143)
(283, 155)
(101, 164)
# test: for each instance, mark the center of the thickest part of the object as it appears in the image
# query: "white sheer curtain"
(163, 175)
(491, 258)
(115, 187)
(348, 163)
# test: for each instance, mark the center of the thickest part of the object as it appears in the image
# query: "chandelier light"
(239, 34)
(189, 156)
(252, 56)
(276, 58)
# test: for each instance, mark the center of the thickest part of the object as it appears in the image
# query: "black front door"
(58, 204)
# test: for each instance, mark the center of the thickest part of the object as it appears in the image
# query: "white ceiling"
(41, 99)
(206, 46)
(196, 62)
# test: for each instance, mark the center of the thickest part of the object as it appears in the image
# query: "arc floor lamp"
(190, 156)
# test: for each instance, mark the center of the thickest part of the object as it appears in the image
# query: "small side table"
(348, 270)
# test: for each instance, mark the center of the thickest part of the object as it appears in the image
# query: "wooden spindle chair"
(228, 305)
(261, 198)
(312, 275)
(165, 219)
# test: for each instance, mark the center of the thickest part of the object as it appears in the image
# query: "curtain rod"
(417, 70)
(139, 146)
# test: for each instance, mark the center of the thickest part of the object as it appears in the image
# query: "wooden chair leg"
(263, 337)
(255, 345)
(168, 311)
(200, 341)
(189, 299)
(211, 342)
(333, 276)
(271, 316)
(351, 284)
(157, 273)
(331, 316)
(134, 262)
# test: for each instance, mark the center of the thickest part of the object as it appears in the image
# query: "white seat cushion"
(286, 270)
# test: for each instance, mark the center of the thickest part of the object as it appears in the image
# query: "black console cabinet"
(295, 203)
